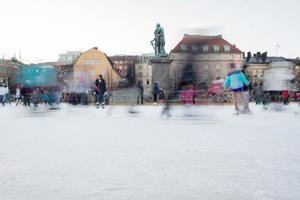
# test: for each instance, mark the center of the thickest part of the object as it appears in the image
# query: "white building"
(69, 58)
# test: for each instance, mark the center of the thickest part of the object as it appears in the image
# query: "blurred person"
(100, 89)
(26, 93)
(258, 92)
(5, 94)
(35, 97)
(2, 94)
(140, 90)
(236, 81)
(155, 91)
(285, 96)
(265, 99)
(161, 97)
(18, 95)
(166, 109)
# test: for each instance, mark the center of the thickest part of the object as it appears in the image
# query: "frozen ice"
(82, 153)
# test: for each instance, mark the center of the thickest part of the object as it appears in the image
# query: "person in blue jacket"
(236, 81)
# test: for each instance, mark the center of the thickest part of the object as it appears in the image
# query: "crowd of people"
(28, 96)
(236, 82)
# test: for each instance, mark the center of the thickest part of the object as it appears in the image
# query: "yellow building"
(91, 64)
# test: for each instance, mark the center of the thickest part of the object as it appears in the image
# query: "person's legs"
(245, 99)
(155, 98)
(234, 99)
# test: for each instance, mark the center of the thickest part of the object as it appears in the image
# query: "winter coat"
(100, 86)
(140, 89)
(236, 80)
(259, 91)
(155, 89)
(285, 94)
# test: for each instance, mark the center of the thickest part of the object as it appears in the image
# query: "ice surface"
(82, 153)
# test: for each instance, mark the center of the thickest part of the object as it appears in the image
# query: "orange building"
(91, 64)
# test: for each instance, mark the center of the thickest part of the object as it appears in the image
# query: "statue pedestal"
(161, 71)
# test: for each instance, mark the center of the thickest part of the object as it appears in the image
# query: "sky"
(39, 30)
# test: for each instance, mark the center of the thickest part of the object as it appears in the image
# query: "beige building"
(202, 59)
(91, 64)
(257, 65)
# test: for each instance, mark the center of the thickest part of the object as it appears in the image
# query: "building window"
(194, 48)
(205, 67)
(183, 47)
(218, 56)
(227, 48)
(205, 57)
(205, 48)
(216, 48)
(97, 62)
(218, 71)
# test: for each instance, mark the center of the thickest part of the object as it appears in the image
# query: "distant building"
(257, 64)
(201, 59)
(69, 58)
(125, 65)
(296, 63)
(8, 70)
(143, 72)
(90, 65)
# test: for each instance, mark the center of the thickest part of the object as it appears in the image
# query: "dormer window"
(227, 48)
(216, 48)
(184, 47)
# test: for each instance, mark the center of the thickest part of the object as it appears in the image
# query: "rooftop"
(204, 44)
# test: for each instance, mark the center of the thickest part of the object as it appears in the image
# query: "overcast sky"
(42, 29)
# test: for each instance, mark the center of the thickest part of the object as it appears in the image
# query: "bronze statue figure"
(158, 42)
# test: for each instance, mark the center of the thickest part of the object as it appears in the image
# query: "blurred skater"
(140, 90)
(155, 92)
(285, 96)
(235, 81)
(161, 97)
(166, 109)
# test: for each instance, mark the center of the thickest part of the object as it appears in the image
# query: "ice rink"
(205, 152)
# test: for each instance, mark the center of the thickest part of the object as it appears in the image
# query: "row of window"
(205, 48)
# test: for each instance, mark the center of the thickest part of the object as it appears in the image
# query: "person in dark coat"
(259, 94)
(161, 97)
(100, 90)
(155, 92)
(140, 90)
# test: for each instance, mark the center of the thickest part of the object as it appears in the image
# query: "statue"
(158, 42)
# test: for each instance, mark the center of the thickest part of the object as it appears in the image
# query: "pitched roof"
(268, 60)
(198, 41)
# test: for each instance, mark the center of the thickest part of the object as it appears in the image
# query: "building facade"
(90, 65)
(125, 66)
(257, 65)
(202, 59)
(143, 72)
(8, 70)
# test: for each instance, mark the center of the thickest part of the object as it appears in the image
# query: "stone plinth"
(161, 71)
